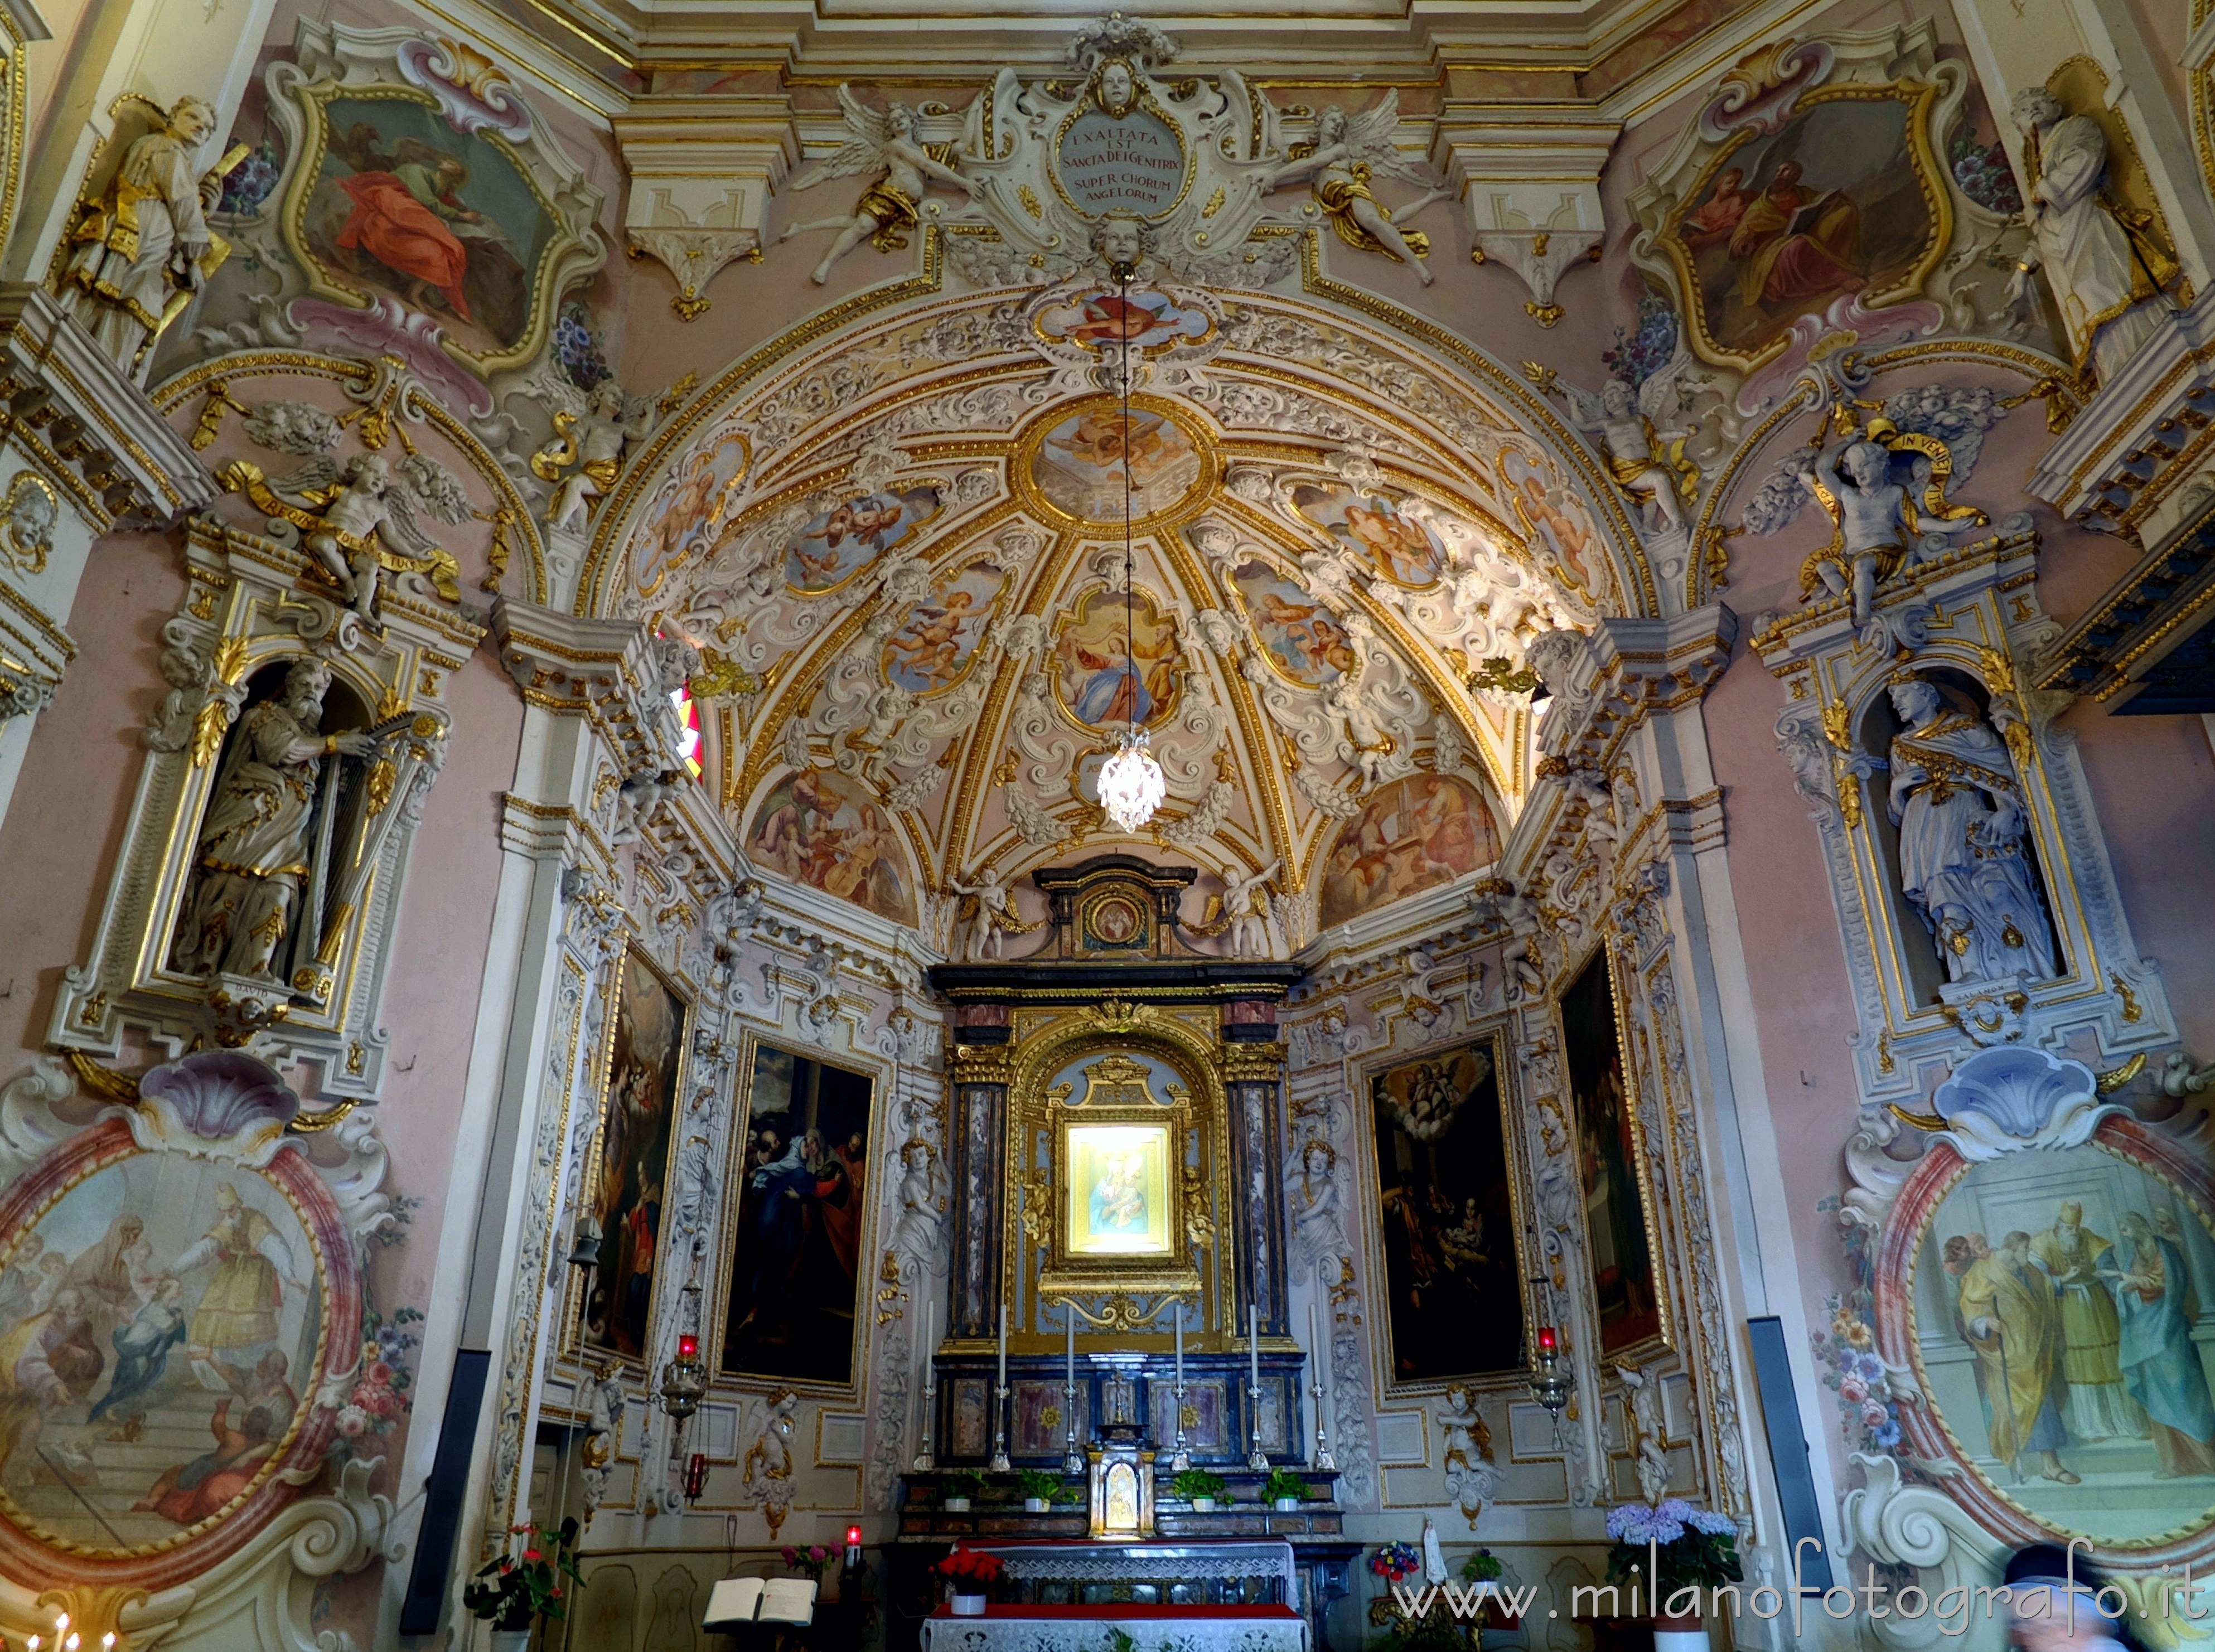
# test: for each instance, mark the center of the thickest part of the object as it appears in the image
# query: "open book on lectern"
(738, 1600)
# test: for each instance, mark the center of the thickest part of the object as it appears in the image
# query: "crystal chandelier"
(1132, 785)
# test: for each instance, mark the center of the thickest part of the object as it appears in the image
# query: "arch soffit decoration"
(900, 390)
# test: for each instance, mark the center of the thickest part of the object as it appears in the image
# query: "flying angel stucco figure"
(1349, 150)
(345, 512)
(885, 143)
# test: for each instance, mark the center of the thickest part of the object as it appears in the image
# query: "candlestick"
(1257, 1459)
(1072, 1460)
(1319, 1387)
(1000, 1465)
(1180, 1459)
(924, 1461)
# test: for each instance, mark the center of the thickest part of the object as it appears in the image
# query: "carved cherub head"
(608, 399)
(1122, 240)
(1330, 126)
(191, 119)
(1118, 87)
(1865, 463)
(900, 119)
(1617, 397)
(370, 472)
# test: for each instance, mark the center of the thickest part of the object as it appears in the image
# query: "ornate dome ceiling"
(900, 554)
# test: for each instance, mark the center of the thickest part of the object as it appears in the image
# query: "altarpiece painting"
(803, 1226)
(1611, 1165)
(1453, 1282)
(631, 1168)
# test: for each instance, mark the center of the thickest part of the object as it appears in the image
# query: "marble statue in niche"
(1958, 803)
(886, 209)
(2104, 267)
(255, 849)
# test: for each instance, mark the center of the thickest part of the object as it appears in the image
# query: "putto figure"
(885, 144)
(142, 246)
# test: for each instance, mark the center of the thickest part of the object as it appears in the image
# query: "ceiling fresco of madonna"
(902, 562)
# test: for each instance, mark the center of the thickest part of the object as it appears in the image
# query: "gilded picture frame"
(1612, 1164)
(715, 1323)
(1901, 279)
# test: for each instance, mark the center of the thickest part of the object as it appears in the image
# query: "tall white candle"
(1070, 1380)
(1253, 1344)
(1314, 1354)
(1179, 1335)
(1004, 1344)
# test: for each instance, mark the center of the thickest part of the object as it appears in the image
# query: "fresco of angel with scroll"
(1349, 151)
(885, 143)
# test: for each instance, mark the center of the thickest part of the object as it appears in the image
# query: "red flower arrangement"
(969, 1571)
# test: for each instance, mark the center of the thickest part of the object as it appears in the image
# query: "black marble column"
(1253, 1077)
(977, 1142)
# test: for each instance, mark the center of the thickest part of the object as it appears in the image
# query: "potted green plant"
(1484, 1567)
(1284, 1488)
(1041, 1489)
(514, 1591)
(961, 1485)
(1680, 1552)
(1199, 1488)
(972, 1575)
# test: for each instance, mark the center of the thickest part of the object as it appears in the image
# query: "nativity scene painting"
(801, 1224)
(159, 1323)
(402, 206)
(1449, 1217)
(1841, 201)
(630, 1183)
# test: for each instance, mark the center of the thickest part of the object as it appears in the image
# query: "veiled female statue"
(254, 852)
(1958, 803)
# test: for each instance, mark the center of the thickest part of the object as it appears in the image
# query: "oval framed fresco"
(166, 1322)
(1407, 552)
(932, 652)
(1094, 683)
(2040, 1300)
(1302, 640)
(1071, 466)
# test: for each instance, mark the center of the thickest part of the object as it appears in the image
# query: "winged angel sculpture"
(1110, 160)
(886, 145)
(342, 513)
(1644, 454)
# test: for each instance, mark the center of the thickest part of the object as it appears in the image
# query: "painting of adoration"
(1094, 672)
(160, 1326)
(404, 206)
(1081, 466)
(630, 1184)
(823, 828)
(1608, 1160)
(1412, 834)
(2057, 1295)
(1404, 550)
(1301, 637)
(933, 650)
(802, 1224)
(854, 533)
(1839, 201)
(1449, 1217)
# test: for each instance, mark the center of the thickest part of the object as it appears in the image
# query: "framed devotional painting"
(1453, 1275)
(641, 1093)
(1611, 1170)
(799, 1239)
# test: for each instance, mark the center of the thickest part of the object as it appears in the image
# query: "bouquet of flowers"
(1396, 1561)
(969, 1571)
(514, 1592)
(1686, 1548)
(813, 1561)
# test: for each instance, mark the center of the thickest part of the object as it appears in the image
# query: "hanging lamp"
(1132, 785)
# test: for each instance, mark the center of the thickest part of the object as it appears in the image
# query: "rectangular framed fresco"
(1612, 1172)
(1452, 1271)
(641, 1090)
(800, 1237)
(1120, 1192)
